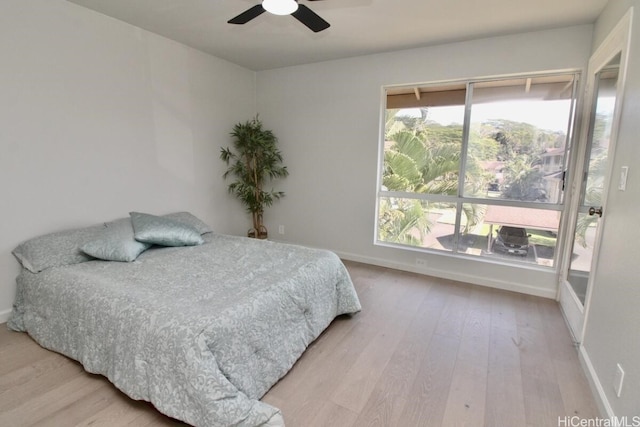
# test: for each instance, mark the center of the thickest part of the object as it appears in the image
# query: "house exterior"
(553, 172)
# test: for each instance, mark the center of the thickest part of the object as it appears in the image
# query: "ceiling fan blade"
(248, 15)
(309, 18)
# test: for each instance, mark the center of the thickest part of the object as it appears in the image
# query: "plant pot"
(260, 233)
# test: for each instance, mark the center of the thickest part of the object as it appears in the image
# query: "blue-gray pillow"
(116, 243)
(163, 231)
(56, 249)
(190, 219)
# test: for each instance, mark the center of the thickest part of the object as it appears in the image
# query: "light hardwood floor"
(423, 352)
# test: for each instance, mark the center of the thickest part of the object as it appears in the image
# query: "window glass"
(518, 138)
(601, 130)
(510, 233)
(415, 222)
(508, 138)
(423, 144)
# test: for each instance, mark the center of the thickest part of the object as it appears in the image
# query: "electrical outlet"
(617, 381)
(281, 229)
(422, 263)
(624, 173)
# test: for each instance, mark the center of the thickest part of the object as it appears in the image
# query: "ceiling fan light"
(280, 7)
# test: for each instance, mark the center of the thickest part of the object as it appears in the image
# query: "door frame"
(616, 42)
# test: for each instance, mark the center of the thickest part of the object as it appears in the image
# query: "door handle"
(594, 210)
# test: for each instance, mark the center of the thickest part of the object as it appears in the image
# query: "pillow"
(163, 231)
(189, 219)
(56, 249)
(116, 243)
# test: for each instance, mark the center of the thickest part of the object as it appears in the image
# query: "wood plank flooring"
(423, 352)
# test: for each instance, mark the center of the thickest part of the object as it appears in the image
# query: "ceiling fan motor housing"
(284, 7)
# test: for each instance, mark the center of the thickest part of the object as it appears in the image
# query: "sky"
(549, 115)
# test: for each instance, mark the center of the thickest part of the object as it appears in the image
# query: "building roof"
(540, 219)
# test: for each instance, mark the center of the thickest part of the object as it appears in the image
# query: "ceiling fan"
(284, 7)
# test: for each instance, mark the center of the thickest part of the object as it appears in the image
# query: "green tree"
(515, 138)
(425, 159)
(521, 146)
(402, 221)
(417, 165)
(253, 161)
(524, 182)
(482, 145)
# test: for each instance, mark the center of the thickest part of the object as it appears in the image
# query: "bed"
(201, 331)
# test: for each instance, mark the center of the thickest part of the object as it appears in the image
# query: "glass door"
(594, 180)
(591, 176)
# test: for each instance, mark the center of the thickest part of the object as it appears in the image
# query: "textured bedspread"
(202, 332)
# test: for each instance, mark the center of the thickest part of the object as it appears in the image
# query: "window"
(477, 167)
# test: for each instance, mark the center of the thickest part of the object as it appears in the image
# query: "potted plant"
(253, 160)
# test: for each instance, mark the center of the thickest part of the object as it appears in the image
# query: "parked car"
(512, 241)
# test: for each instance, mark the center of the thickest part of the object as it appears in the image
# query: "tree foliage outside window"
(424, 161)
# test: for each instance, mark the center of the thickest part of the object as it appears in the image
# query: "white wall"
(327, 118)
(612, 333)
(99, 118)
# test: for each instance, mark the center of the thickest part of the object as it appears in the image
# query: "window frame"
(460, 199)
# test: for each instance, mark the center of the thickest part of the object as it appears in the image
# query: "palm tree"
(414, 164)
(402, 221)
(525, 182)
(474, 215)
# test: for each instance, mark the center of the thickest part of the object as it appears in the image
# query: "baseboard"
(451, 275)
(4, 316)
(596, 386)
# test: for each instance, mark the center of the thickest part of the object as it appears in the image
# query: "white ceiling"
(358, 27)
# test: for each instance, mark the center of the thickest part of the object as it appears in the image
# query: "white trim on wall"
(451, 275)
(4, 316)
(596, 386)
